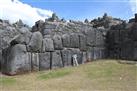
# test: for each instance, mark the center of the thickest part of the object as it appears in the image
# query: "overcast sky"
(32, 10)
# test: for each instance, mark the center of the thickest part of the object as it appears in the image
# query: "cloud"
(133, 4)
(13, 10)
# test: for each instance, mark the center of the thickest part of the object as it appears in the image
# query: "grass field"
(103, 75)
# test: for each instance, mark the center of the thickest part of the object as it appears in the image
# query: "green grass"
(54, 74)
(102, 75)
(7, 81)
(104, 70)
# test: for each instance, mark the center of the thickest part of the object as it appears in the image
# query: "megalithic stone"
(35, 62)
(56, 60)
(66, 57)
(48, 45)
(57, 40)
(84, 57)
(16, 60)
(44, 60)
(35, 43)
(74, 40)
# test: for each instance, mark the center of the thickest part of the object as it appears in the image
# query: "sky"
(31, 11)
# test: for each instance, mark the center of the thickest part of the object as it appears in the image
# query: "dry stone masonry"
(51, 44)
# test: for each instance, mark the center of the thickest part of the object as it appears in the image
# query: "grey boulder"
(56, 60)
(57, 42)
(22, 38)
(74, 40)
(66, 40)
(35, 43)
(82, 40)
(44, 61)
(91, 36)
(66, 57)
(16, 60)
(34, 62)
(48, 45)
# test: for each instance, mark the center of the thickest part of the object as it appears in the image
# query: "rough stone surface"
(35, 43)
(53, 42)
(6, 36)
(44, 61)
(74, 40)
(82, 41)
(66, 57)
(66, 40)
(91, 36)
(100, 40)
(57, 42)
(48, 45)
(16, 61)
(22, 38)
(84, 57)
(99, 53)
(90, 54)
(35, 62)
(56, 60)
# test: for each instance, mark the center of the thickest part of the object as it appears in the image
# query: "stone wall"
(50, 44)
(122, 42)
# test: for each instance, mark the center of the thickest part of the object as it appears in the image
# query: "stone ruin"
(50, 44)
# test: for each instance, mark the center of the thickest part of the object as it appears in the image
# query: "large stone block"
(127, 53)
(116, 37)
(23, 38)
(91, 37)
(74, 40)
(35, 43)
(48, 45)
(34, 61)
(134, 33)
(135, 43)
(57, 40)
(66, 57)
(100, 40)
(66, 40)
(47, 32)
(135, 54)
(6, 36)
(16, 60)
(84, 57)
(90, 54)
(99, 53)
(82, 41)
(56, 60)
(44, 61)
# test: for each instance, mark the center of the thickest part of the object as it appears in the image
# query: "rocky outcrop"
(51, 44)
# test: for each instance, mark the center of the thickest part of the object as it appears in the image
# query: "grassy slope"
(95, 76)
